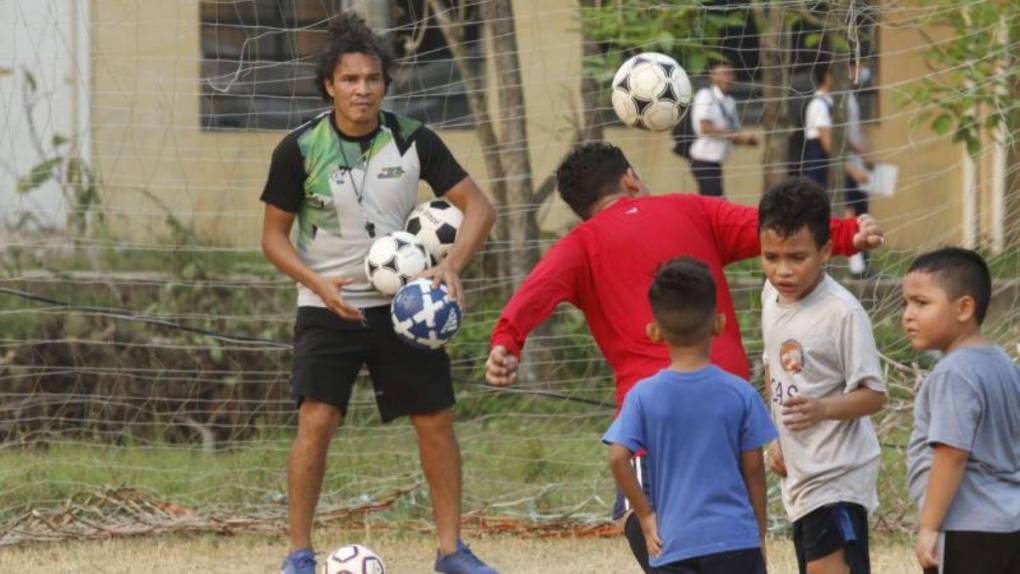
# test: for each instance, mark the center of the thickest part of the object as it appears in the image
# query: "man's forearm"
(280, 252)
(479, 217)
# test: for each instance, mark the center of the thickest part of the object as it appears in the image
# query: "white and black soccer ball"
(435, 223)
(651, 91)
(425, 316)
(354, 559)
(395, 259)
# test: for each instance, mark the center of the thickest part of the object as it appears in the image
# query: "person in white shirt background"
(818, 148)
(715, 123)
(858, 166)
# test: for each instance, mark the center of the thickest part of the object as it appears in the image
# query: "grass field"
(403, 554)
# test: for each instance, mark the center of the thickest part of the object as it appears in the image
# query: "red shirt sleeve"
(842, 232)
(735, 228)
(553, 280)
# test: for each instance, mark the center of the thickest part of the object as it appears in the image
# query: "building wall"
(154, 158)
(40, 38)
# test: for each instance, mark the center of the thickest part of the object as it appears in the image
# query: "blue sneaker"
(299, 562)
(463, 561)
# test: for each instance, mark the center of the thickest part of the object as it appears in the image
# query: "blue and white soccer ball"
(354, 559)
(424, 316)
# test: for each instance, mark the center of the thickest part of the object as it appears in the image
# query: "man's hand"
(328, 289)
(445, 274)
(650, 527)
(745, 138)
(776, 462)
(927, 548)
(869, 234)
(501, 368)
(801, 411)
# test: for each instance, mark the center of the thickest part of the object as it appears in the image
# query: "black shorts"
(965, 552)
(829, 528)
(747, 561)
(709, 177)
(330, 351)
(854, 198)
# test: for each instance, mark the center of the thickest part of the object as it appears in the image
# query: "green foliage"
(975, 69)
(688, 30)
(59, 165)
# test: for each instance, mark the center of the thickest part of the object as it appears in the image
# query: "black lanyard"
(359, 194)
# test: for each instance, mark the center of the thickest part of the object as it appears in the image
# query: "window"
(427, 83)
(259, 59)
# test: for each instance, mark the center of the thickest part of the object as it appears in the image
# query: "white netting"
(144, 339)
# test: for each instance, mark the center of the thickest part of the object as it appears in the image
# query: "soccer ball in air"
(435, 223)
(395, 259)
(354, 559)
(651, 91)
(425, 316)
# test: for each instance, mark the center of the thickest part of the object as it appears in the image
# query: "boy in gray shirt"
(823, 370)
(964, 453)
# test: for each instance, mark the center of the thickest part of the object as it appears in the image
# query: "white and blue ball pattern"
(424, 316)
(354, 559)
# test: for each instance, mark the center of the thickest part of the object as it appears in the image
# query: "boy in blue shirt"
(702, 430)
(964, 454)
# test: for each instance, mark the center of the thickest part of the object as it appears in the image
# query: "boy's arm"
(735, 230)
(555, 278)
(623, 473)
(947, 469)
(864, 392)
(802, 411)
(752, 467)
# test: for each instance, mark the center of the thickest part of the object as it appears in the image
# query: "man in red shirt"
(605, 266)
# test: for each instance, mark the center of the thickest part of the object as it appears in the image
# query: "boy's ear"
(719, 324)
(654, 333)
(965, 307)
(631, 183)
(827, 251)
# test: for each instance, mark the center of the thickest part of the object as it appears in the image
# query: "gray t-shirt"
(971, 401)
(823, 346)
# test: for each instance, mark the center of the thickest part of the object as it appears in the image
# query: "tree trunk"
(521, 216)
(1012, 207)
(495, 261)
(775, 77)
(592, 97)
(840, 88)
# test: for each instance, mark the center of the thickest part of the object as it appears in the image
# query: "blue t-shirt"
(694, 427)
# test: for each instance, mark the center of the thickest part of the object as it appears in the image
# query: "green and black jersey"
(346, 191)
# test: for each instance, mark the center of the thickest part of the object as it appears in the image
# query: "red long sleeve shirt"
(605, 266)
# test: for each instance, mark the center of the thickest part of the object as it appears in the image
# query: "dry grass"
(404, 554)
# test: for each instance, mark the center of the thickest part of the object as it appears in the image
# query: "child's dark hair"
(683, 301)
(588, 173)
(819, 72)
(959, 272)
(793, 204)
(349, 34)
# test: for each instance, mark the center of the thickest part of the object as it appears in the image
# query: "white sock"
(857, 263)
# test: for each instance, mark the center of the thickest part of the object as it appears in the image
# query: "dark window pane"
(259, 58)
